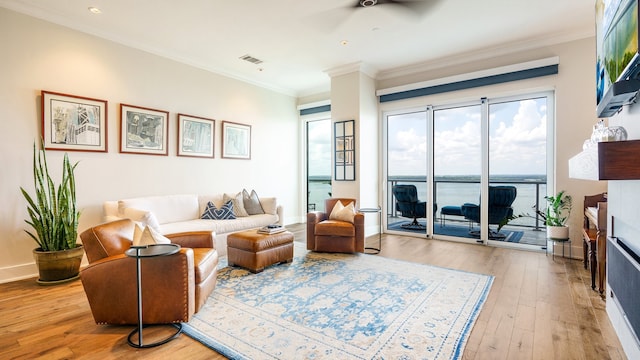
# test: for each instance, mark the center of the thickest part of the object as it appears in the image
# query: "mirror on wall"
(344, 145)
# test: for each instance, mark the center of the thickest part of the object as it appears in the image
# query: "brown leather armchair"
(325, 235)
(174, 287)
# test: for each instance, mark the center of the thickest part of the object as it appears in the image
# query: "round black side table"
(373, 211)
(147, 251)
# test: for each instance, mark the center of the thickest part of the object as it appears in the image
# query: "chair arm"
(313, 218)
(194, 239)
(168, 288)
(358, 222)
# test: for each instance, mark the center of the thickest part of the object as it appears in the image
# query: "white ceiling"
(300, 40)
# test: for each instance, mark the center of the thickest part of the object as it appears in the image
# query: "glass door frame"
(483, 159)
(549, 95)
(305, 120)
(485, 103)
(386, 192)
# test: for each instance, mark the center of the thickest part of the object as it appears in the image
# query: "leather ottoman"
(254, 251)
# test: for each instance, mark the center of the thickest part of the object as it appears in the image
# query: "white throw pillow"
(148, 236)
(142, 218)
(343, 213)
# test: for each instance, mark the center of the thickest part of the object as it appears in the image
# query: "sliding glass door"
(456, 156)
(457, 170)
(518, 146)
(318, 134)
(406, 165)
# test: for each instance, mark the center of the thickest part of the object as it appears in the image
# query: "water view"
(454, 190)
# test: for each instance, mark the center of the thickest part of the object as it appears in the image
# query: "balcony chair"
(325, 234)
(409, 206)
(174, 287)
(500, 200)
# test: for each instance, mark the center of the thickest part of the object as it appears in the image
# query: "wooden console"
(594, 232)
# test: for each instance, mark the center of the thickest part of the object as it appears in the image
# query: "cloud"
(319, 147)
(517, 141)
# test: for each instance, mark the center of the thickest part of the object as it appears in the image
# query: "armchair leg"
(415, 225)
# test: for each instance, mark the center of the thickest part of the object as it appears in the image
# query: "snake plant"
(52, 212)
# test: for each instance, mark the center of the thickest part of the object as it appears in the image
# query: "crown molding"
(351, 68)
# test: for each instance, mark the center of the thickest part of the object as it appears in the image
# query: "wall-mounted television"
(617, 60)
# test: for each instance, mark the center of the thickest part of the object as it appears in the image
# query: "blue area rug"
(341, 306)
(453, 229)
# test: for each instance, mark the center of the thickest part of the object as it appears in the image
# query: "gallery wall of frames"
(78, 123)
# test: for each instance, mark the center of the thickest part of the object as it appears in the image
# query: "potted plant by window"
(54, 218)
(556, 215)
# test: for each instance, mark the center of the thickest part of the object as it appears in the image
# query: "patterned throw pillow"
(224, 213)
(252, 202)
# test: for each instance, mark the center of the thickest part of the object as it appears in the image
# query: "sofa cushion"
(166, 208)
(238, 204)
(224, 213)
(335, 228)
(252, 202)
(220, 226)
(269, 205)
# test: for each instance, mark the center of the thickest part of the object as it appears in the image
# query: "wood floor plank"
(538, 308)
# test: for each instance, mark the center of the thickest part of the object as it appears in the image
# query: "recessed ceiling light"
(95, 10)
(344, 42)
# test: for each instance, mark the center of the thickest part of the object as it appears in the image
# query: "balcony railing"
(319, 188)
(536, 194)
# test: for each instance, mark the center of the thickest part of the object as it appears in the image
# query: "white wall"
(37, 55)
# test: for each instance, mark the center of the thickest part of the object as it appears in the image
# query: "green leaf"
(52, 210)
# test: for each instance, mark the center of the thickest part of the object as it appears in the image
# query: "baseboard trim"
(18, 272)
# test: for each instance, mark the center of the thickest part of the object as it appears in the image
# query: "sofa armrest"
(194, 239)
(168, 290)
(280, 212)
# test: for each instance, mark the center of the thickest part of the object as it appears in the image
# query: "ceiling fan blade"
(418, 6)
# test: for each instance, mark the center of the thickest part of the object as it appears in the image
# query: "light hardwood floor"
(538, 308)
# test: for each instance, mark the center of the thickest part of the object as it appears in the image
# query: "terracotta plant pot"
(58, 266)
(558, 232)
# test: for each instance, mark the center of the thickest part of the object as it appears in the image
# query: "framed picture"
(73, 122)
(195, 136)
(143, 130)
(236, 140)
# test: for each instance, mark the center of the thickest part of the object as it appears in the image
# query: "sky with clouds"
(517, 141)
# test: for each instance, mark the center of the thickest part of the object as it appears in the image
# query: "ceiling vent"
(251, 59)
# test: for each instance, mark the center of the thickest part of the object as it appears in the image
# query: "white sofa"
(170, 214)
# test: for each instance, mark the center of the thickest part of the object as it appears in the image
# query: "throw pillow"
(148, 236)
(238, 204)
(252, 202)
(343, 213)
(142, 217)
(224, 213)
